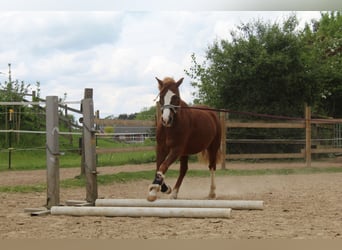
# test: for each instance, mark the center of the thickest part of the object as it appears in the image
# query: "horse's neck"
(183, 104)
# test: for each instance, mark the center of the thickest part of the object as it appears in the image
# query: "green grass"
(124, 177)
(36, 158)
(117, 159)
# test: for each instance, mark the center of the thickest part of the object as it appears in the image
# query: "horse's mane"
(169, 80)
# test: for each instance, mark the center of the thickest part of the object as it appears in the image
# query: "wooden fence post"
(52, 151)
(223, 139)
(308, 135)
(89, 143)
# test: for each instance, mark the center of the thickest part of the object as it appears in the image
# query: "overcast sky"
(117, 53)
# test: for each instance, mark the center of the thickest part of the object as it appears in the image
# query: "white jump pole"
(143, 212)
(234, 204)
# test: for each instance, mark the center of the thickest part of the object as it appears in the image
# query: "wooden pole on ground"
(166, 212)
(52, 151)
(234, 204)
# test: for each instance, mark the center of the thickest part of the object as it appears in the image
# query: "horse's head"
(169, 99)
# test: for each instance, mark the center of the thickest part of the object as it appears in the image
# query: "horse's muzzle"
(168, 122)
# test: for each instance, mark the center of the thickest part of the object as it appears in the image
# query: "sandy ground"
(296, 207)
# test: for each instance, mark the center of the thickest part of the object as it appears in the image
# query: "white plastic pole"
(143, 212)
(234, 204)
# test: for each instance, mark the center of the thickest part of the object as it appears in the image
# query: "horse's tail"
(204, 156)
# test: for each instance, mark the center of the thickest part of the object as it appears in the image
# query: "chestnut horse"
(183, 131)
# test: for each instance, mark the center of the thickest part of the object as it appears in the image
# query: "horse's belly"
(198, 143)
(203, 134)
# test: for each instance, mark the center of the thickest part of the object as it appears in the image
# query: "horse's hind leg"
(212, 167)
(212, 194)
(182, 171)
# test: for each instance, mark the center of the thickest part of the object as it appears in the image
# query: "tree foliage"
(273, 68)
(323, 41)
(24, 117)
(18, 117)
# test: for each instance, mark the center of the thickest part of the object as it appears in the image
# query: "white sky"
(117, 53)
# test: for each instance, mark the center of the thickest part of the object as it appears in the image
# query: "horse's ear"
(179, 82)
(160, 83)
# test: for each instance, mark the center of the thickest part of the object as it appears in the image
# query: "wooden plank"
(165, 212)
(325, 121)
(325, 150)
(34, 209)
(39, 213)
(78, 203)
(264, 125)
(264, 156)
(135, 123)
(233, 204)
(266, 141)
(128, 149)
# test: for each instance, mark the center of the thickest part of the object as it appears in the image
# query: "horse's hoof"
(212, 196)
(153, 189)
(173, 195)
(151, 198)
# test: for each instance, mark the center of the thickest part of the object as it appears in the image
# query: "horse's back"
(206, 119)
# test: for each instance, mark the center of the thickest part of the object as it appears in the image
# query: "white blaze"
(167, 101)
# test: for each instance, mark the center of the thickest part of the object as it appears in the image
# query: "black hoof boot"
(166, 189)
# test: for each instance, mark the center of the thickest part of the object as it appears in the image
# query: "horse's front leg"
(158, 183)
(182, 171)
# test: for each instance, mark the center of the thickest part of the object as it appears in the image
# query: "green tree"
(24, 117)
(323, 39)
(274, 68)
(146, 113)
(260, 70)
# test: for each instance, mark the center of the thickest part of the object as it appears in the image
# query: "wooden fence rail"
(226, 124)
